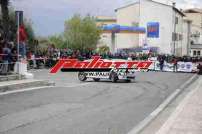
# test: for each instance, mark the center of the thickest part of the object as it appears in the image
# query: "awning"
(115, 28)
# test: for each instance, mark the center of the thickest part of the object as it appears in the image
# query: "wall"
(196, 26)
(186, 50)
(154, 12)
(127, 16)
(105, 40)
(179, 46)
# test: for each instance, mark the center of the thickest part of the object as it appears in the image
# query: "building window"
(194, 53)
(135, 24)
(180, 36)
(198, 53)
(174, 36)
(176, 20)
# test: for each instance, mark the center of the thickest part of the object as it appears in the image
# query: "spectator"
(161, 62)
(175, 61)
(199, 67)
(7, 58)
(22, 39)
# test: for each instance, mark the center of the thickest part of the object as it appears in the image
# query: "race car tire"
(114, 77)
(96, 79)
(82, 76)
(128, 81)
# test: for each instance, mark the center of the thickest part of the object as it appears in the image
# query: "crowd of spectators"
(48, 58)
(8, 56)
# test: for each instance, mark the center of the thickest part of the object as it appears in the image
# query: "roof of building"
(131, 4)
(193, 10)
(125, 6)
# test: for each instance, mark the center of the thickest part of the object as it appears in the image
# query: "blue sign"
(153, 29)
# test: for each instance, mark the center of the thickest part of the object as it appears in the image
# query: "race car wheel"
(128, 81)
(96, 79)
(82, 76)
(114, 77)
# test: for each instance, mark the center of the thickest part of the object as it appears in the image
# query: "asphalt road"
(74, 107)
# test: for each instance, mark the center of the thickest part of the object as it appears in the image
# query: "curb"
(138, 128)
(22, 84)
(11, 77)
(166, 127)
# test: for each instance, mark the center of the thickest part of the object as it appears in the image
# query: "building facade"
(169, 30)
(195, 15)
(106, 38)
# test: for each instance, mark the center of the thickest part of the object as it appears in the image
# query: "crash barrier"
(15, 68)
(21, 68)
(188, 67)
(41, 63)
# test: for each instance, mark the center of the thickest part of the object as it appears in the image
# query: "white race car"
(114, 75)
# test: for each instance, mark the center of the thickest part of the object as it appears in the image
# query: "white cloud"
(184, 4)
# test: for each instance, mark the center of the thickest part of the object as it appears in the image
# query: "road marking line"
(37, 88)
(139, 127)
(24, 90)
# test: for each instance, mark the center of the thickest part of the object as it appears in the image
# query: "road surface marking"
(24, 90)
(43, 87)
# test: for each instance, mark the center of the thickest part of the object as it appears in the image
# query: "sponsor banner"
(96, 63)
(169, 67)
(185, 66)
(97, 74)
(153, 29)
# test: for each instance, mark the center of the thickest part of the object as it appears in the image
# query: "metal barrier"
(39, 63)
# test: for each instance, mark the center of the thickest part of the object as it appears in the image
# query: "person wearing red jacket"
(22, 41)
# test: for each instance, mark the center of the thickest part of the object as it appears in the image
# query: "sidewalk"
(14, 85)
(187, 118)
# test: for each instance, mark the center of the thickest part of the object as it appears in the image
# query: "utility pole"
(139, 21)
(188, 36)
(174, 38)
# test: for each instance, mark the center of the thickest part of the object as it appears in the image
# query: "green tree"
(29, 30)
(5, 17)
(12, 30)
(103, 49)
(10, 35)
(81, 33)
(58, 41)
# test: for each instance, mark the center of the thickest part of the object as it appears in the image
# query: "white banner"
(169, 67)
(185, 66)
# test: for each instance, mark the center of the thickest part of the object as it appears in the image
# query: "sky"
(48, 16)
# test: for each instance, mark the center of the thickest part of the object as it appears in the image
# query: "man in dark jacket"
(199, 67)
